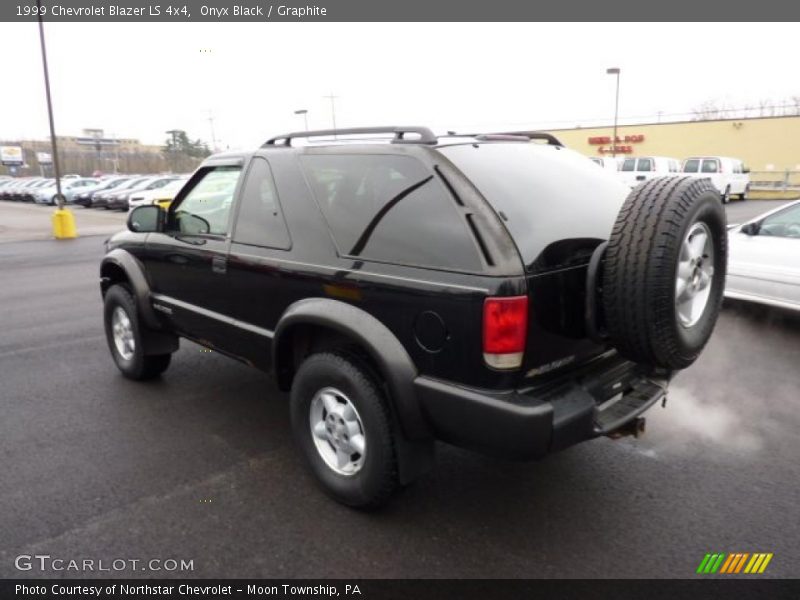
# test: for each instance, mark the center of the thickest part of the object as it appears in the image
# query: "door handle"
(219, 264)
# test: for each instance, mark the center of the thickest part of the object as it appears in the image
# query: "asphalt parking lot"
(200, 465)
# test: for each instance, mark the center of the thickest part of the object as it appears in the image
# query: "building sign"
(11, 155)
(622, 144)
(44, 158)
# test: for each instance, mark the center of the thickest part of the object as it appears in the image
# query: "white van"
(635, 170)
(729, 175)
(606, 162)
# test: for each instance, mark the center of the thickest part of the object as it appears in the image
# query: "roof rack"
(426, 136)
(534, 135)
(511, 136)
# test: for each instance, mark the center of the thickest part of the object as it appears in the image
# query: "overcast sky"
(139, 80)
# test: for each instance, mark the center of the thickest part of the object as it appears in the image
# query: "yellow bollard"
(64, 224)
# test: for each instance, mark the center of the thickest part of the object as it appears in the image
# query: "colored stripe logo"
(734, 563)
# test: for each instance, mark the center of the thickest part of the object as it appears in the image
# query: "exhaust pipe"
(634, 427)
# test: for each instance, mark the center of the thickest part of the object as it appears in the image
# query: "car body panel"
(765, 268)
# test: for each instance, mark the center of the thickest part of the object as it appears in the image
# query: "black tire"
(375, 482)
(138, 366)
(744, 194)
(726, 195)
(641, 266)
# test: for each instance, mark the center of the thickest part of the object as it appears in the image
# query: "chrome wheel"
(123, 333)
(695, 274)
(337, 431)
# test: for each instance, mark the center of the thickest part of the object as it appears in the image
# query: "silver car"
(764, 259)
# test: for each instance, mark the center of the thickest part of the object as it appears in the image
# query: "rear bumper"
(530, 423)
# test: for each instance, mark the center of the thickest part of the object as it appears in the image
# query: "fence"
(787, 181)
(85, 163)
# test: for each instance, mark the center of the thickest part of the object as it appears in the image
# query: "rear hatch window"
(555, 204)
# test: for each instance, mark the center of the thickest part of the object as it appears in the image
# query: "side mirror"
(146, 219)
(745, 169)
(750, 228)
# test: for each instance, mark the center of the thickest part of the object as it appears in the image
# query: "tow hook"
(634, 427)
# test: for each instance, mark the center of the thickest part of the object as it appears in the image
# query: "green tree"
(179, 144)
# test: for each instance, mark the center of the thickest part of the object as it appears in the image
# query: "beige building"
(764, 144)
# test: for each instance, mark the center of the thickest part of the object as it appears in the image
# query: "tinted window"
(691, 166)
(710, 166)
(390, 208)
(629, 164)
(544, 196)
(205, 209)
(260, 221)
(645, 164)
(785, 223)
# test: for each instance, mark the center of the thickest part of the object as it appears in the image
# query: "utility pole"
(213, 135)
(332, 98)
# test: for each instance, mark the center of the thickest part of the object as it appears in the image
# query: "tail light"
(505, 327)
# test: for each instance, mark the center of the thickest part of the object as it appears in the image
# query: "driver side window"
(206, 208)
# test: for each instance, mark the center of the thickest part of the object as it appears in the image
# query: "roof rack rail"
(426, 136)
(534, 135)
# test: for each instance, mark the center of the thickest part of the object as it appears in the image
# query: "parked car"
(162, 196)
(729, 175)
(121, 200)
(764, 262)
(424, 288)
(635, 170)
(27, 192)
(100, 199)
(84, 198)
(48, 194)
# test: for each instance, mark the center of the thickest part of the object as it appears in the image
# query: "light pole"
(63, 220)
(615, 71)
(332, 98)
(304, 112)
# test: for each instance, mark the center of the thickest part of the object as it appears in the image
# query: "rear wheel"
(743, 196)
(125, 339)
(726, 195)
(341, 422)
(664, 271)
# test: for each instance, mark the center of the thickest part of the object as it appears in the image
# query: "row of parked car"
(121, 192)
(729, 175)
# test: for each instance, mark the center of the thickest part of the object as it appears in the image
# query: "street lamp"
(63, 219)
(303, 112)
(615, 71)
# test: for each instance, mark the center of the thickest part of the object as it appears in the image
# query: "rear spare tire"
(664, 271)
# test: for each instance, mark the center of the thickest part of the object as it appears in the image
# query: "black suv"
(495, 291)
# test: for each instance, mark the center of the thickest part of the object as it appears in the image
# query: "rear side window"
(645, 164)
(691, 166)
(710, 166)
(260, 221)
(390, 208)
(629, 164)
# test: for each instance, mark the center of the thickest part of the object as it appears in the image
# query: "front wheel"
(341, 422)
(124, 337)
